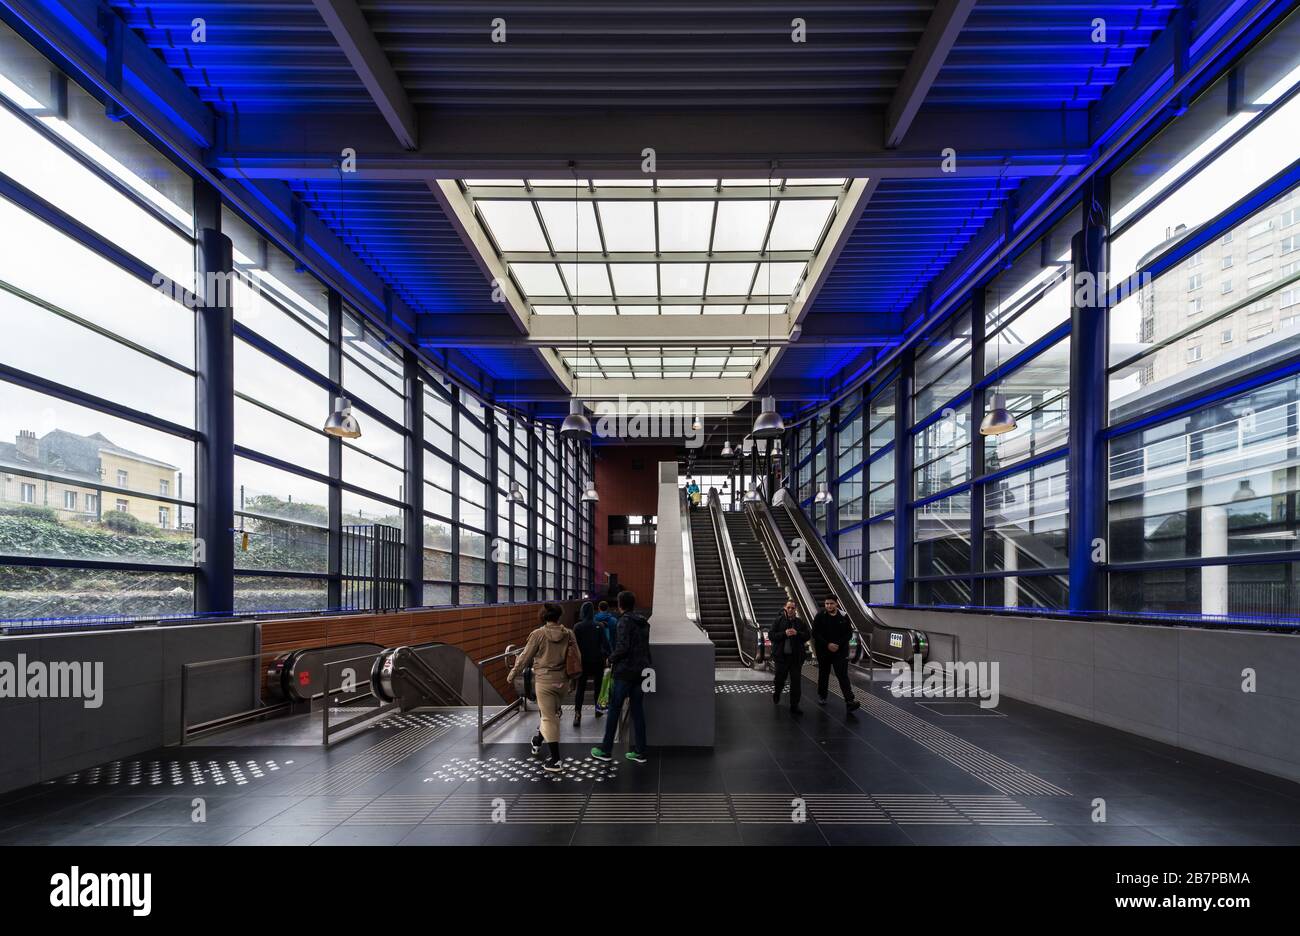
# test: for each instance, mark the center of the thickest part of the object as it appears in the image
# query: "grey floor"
(898, 772)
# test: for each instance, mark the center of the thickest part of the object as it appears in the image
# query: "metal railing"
(258, 662)
(520, 704)
(688, 562)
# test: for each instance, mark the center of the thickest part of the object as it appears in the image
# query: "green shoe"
(601, 755)
(635, 757)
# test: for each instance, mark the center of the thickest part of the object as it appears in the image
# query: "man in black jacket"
(831, 634)
(629, 662)
(788, 635)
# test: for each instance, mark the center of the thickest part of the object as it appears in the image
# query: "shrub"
(31, 512)
(119, 521)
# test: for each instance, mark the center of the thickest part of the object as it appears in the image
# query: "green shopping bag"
(606, 687)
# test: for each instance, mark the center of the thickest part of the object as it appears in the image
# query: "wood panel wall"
(480, 631)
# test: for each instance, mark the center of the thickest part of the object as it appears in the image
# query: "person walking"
(831, 632)
(788, 635)
(546, 649)
(629, 661)
(595, 648)
(608, 621)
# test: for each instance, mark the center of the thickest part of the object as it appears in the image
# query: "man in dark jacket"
(831, 633)
(788, 635)
(629, 662)
(594, 649)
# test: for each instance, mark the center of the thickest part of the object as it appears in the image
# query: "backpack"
(572, 658)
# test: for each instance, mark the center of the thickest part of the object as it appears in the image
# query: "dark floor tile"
(949, 835)
(432, 834)
(199, 835)
(757, 781)
(803, 833)
(865, 835)
(365, 835)
(1034, 835)
(506, 833)
(281, 835)
(709, 833)
(615, 834)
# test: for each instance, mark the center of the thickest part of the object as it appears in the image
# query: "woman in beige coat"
(546, 649)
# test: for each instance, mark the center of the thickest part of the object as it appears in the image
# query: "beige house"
(67, 473)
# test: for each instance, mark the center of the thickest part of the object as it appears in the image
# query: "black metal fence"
(372, 568)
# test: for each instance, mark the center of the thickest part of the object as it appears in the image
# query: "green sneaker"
(635, 757)
(601, 755)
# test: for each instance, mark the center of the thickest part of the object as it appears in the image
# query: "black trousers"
(595, 676)
(839, 663)
(790, 667)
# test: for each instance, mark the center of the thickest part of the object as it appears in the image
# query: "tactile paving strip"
(742, 688)
(1003, 776)
(525, 769)
(174, 773)
(430, 720)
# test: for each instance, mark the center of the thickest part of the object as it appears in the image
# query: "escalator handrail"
(779, 558)
(860, 616)
(742, 610)
(422, 671)
(688, 562)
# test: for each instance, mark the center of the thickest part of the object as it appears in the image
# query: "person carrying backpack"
(608, 623)
(595, 648)
(548, 650)
(629, 661)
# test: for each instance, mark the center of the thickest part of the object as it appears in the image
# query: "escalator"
(711, 589)
(813, 572)
(766, 593)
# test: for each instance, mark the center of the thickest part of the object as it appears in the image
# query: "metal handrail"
(778, 554)
(519, 703)
(742, 610)
(862, 618)
(327, 730)
(688, 563)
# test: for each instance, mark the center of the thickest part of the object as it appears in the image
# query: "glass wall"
(1202, 396)
(98, 407)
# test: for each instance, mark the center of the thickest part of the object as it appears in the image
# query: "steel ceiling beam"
(941, 32)
(667, 257)
(350, 29)
(803, 142)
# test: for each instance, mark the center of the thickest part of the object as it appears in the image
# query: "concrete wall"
(681, 710)
(42, 739)
(1179, 685)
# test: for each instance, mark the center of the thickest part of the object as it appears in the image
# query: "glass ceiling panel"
(799, 224)
(730, 279)
(684, 225)
(649, 247)
(560, 216)
(628, 225)
(741, 225)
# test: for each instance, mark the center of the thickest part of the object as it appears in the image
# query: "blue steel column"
(1088, 406)
(903, 478)
(214, 400)
(979, 461)
(334, 559)
(414, 482)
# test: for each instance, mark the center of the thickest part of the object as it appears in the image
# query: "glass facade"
(98, 442)
(1202, 408)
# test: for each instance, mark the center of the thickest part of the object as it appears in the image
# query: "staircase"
(765, 592)
(715, 612)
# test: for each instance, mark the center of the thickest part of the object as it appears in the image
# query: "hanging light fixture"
(726, 446)
(517, 493)
(576, 425)
(726, 449)
(1244, 492)
(769, 424)
(823, 495)
(752, 496)
(341, 422)
(997, 418)
(589, 495)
